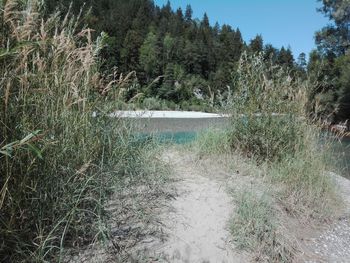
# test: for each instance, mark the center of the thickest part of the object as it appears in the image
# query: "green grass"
(255, 228)
(212, 141)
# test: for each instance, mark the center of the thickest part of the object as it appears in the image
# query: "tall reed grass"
(57, 163)
(268, 112)
(270, 124)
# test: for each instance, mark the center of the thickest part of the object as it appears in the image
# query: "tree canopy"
(153, 40)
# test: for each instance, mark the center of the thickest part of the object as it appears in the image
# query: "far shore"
(166, 115)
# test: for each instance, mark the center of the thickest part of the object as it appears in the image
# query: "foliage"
(153, 41)
(335, 38)
(329, 64)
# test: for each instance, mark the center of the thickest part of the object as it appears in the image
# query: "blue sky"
(281, 22)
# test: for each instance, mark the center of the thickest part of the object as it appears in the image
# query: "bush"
(152, 104)
(269, 125)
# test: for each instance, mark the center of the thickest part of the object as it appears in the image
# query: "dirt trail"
(197, 220)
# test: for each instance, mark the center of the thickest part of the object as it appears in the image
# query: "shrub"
(152, 104)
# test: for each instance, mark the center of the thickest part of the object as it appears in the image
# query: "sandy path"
(197, 221)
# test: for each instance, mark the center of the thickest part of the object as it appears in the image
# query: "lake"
(182, 130)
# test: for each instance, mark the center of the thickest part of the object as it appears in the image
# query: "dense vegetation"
(58, 164)
(177, 58)
(330, 63)
(181, 61)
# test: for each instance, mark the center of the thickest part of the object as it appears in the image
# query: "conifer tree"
(256, 44)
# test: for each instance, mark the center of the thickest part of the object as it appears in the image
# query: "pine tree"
(270, 53)
(205, 22)
(130, 50)
(188, 13)
(257, 44)
(237, 45)
(302, 60)
(285, 58)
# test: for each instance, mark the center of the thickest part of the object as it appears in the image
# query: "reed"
(58, 164)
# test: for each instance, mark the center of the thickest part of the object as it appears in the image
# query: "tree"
(335, 38)
(130, 51)
(149, 55)
(166, 10)
(205, 21)
(302, 61)
(167, 90)
(257, 44)
(168, 48)
(343, 64)
(270, 53)
(188, 13)
(180, 14)
(237, 45)
(332, 59)
(285, 58)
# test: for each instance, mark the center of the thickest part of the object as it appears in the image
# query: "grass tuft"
(212, 141)
(255, 228)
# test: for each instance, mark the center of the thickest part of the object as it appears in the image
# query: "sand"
(197, 222)
(166, 114)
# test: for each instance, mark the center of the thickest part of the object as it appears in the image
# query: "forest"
(186, 61)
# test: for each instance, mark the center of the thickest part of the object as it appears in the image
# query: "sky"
(280, 22)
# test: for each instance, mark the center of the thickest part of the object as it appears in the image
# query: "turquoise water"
(179, 131)
(170, 137)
